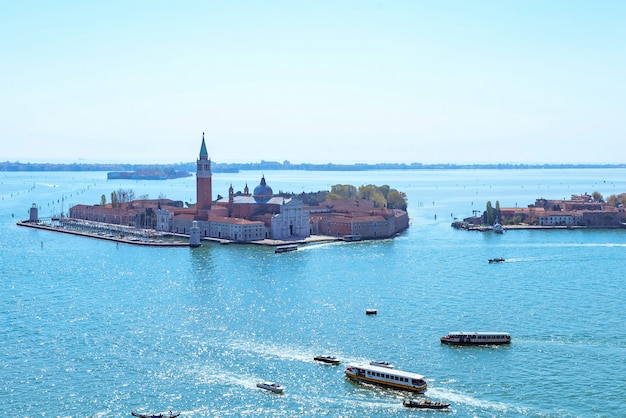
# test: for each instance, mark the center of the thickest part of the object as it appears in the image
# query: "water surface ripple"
(91, 328)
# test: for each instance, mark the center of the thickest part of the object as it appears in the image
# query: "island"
(580, 211)
(256, 216)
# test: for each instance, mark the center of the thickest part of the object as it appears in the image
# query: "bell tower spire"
(204, 192)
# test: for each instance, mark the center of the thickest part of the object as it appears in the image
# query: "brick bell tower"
(204, 192)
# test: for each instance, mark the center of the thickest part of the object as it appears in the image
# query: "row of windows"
(490, 337)
(481, 337)
(388, 376)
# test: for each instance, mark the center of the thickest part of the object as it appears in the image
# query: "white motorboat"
(271, 386)
(381, 364)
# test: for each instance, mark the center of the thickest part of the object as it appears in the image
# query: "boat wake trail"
(455, 397)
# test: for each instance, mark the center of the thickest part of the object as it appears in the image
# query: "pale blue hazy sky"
(533, 81)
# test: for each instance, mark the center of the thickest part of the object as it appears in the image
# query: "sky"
(343, 82)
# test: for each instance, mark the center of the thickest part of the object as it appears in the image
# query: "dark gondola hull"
(425, 405)
(157, 415)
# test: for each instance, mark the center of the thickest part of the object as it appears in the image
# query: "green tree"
(114, 202)
(497, 216)
(597, 196)
(489, 214)
(371, 193)
(396, 200)
(103, 200)
(333, 196)
(346, 191)
(384, 190)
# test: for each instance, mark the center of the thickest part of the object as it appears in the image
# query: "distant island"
(580, 211)
(148, 174)
(285, 165)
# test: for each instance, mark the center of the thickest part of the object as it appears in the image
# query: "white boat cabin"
(384, 376)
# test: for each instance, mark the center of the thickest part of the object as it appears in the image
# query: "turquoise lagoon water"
(93, 329)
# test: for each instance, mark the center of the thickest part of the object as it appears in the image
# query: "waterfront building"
(352, 217)
(238, 218)
(579, 210)
(246, 217)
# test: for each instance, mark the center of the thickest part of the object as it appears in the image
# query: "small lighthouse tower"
(194, 235)
(33, 214)
(204, 192)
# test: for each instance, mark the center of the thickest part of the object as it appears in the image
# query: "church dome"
(262, 193)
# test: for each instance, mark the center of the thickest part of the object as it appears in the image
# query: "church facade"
(237, 218)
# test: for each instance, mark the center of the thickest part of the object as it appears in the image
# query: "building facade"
(249, 217)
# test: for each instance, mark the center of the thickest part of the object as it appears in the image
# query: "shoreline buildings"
(249, 217)
(580, 211)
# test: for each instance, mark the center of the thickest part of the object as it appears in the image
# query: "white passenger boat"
(385, 364)
(273, 387)
(383, 376)
(476, 338)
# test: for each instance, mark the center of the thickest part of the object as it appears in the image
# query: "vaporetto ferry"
(384, 376)
(476, 338)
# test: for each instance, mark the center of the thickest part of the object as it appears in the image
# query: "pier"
(108, 232)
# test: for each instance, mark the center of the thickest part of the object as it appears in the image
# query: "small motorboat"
(169, 414)
(424, 404)
(327, 359)
(381, 364)
(496, 260)
(371, 311)
(286, 249)
(272, 387)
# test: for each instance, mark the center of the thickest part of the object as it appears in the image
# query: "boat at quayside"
(476, 338)
(286, 249)
(382, 376)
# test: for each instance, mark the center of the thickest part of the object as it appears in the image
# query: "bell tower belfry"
(204, 192)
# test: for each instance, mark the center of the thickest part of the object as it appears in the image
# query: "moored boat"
(383, 376)
(169, 414)
(271, 386)
(385, 364)
(352, 237)
(327, 359)
(424, 404)
(476, 338)
(286, 249)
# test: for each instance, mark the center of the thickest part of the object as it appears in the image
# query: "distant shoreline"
(272, 165)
